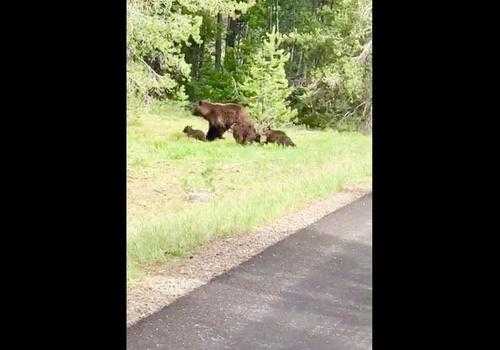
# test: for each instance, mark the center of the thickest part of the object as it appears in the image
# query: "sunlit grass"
(251, 184)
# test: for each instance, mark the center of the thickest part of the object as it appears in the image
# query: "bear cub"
(279, 137)
(245, 132)
(195, 134)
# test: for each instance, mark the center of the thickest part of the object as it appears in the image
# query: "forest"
(291, 62)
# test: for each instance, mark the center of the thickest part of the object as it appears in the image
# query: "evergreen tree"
(265, 87)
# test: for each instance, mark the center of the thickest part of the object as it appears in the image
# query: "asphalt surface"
(313, 290)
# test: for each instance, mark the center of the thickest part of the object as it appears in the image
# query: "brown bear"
(279, 137)
(195, 134)
(220, 117)
(245, 132)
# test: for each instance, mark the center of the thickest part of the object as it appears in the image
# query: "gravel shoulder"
(178, 278)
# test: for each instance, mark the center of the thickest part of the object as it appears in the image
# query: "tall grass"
(252, 185)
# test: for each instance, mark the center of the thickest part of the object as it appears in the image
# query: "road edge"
(218, 256)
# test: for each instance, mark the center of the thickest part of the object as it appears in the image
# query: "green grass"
(253, 184)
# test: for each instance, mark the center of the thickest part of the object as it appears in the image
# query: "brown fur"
(245, 132)
(195, 134)
(220, 117)
(279, 137)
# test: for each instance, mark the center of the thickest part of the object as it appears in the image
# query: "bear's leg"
(213, 133)
(238, 138)
(244, 139)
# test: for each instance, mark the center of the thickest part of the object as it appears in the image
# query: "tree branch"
(149, 67)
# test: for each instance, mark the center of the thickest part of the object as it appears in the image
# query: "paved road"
(312, 290)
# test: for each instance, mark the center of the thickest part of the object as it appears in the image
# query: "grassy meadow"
(250, 185)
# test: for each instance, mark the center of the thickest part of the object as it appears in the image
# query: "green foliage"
(157, 33)
(320, 75)
(335, 83)
(335, 97)
(217, 85)
(214, 85)
(265, 88)
(156, 30)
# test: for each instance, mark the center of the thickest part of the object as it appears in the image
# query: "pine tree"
(265, 87)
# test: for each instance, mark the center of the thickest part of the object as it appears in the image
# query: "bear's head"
(265, 130)
(187, 129)
(202, 108)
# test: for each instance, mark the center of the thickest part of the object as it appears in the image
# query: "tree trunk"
(364, 58)
(277, 16)
(270, 18)
(193, 58)
(218, 43)
(200, 59)
(365, 53)
(233, 31)
(367, 125)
